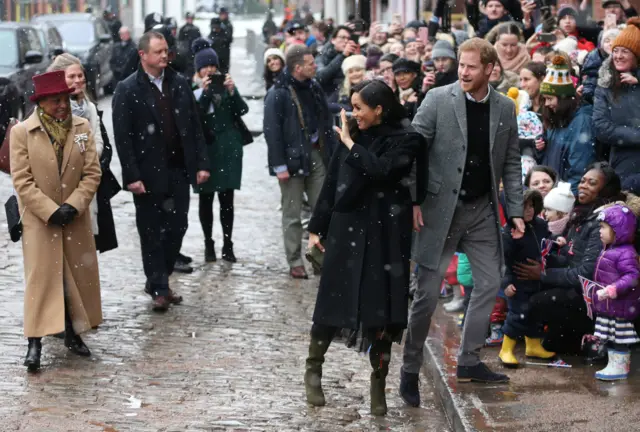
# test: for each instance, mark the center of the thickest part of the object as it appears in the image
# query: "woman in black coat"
(363, 218)
(109, 187)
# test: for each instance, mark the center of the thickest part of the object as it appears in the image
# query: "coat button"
(459, 170)
(356, 155)
(464, 147)
(455, 191)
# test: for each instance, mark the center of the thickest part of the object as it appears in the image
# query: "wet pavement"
(538, 398)
(231, 357)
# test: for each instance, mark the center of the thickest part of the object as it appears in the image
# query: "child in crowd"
(465, 279)
(518, 250)
(457, 303)
(616, 300)
(558, 205)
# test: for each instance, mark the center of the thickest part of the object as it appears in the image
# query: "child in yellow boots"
(518, 250)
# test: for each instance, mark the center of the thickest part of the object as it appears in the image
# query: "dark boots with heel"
(313, 371)
(32, 361)
(209, 251)
(72, 340)
(227, 252)
(379, 356)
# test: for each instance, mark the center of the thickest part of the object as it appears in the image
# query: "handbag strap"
(296, 102)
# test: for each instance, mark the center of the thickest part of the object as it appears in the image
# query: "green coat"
(224, 141)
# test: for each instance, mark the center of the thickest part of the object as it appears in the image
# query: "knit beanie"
(560, 198)
(629, 37)
(610, 34)
(354, 61)
(565, 10)
(406, 65)
(558, 81)
(390, 57)
(204, 54)
(442, 48)
(502, 2)
(277, 52)
(373, 61)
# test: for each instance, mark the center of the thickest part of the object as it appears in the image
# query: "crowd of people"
(533, 178)
(507, 142)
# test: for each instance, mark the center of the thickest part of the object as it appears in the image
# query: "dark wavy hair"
(376, 93)
(543, 169)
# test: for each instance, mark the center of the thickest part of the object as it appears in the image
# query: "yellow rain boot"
(506, 353)
(535, 349)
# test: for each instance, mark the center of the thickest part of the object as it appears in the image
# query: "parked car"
(22, 58)
(50, 39)
(88, 38)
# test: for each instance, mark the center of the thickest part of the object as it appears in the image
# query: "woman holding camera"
(364, 220)
(221, 108)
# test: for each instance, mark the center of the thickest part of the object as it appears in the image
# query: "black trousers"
(162, 221)
(565, 313)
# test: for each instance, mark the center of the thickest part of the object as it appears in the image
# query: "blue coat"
(592, 64)
(286, 138)
(617, 123)
(571, 149)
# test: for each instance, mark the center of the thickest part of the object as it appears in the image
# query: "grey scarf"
(80, 109)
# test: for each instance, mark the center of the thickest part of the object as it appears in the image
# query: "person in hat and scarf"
(62, 291)
(409, 79)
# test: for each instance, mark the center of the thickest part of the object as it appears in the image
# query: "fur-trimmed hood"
(632, 201)
(605, 76)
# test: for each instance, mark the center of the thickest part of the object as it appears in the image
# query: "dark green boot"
(313, 372)
(379, 356)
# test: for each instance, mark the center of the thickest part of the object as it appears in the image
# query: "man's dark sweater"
(169, 131)
(476, 181)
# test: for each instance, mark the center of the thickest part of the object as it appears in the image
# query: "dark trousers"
(519, 322)
(565, 313)
(162, 221)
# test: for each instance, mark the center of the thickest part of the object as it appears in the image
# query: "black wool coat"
(364, 214)
(138, 131)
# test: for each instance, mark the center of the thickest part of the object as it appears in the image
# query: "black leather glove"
(64, 215)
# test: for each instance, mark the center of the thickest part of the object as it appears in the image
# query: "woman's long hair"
(562, 116)
(64, 61)
(538, 70)
(270, 77)
(376, 93)
(616, 82)
(501, 29)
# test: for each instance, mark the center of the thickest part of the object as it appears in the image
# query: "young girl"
(616, 301)
(558, 205)
(519, 250)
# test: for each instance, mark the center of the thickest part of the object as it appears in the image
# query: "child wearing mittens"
(616, 300)
(518, 250)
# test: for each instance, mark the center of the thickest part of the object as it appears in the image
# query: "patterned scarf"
(57, 131)
(80, 109)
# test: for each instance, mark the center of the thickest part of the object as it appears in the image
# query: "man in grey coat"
(472, 144)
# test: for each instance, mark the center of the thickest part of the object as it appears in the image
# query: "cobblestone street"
(231, 357)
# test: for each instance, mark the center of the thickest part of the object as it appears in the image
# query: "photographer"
(221, 108)
(330, 75)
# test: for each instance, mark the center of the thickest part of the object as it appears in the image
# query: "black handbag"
(247, 138)
(13, 218)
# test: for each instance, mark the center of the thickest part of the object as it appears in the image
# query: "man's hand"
(417, 218)
(283, 176)
(350, 48)
(314, 240)
(137, 188)
(531, 271)
(518, 223)
(510, 291)
(202, 176)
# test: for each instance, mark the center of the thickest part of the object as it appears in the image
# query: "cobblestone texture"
(230, 358)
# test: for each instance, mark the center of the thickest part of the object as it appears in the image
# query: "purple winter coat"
(618, 264)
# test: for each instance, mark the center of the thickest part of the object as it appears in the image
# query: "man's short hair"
(488, 54)
(145, 40)
(337, 30)
(295, 56)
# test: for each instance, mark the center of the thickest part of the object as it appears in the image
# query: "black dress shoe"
(185, 259)
(182, 267)
(480, 373)
(77, 346)
(32, 360)
(227, 252)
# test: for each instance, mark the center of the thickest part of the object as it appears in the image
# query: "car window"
(54, 38)
(9, 44)
(34, 40)
(43, 38)
(78, 35)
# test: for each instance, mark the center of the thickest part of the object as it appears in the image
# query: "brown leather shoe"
(161, 304)
(174, 298)
(298, 273)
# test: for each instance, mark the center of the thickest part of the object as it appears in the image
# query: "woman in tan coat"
(55, 172)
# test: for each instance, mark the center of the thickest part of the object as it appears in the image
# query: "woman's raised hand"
(343, 130)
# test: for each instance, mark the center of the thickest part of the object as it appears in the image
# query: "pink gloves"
(608, 292)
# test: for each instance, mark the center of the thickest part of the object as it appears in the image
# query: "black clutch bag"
(13, 218)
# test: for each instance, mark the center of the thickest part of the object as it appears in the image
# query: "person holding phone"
(330, 75)
(221, 107)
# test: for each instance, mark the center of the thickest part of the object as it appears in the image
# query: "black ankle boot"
(227, 252)
(209, 251)
(73, 341)
(32, 361)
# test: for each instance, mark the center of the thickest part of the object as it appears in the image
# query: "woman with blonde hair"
(354, 69)
(102, 223)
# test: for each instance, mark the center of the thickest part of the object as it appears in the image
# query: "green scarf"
(57, 131)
